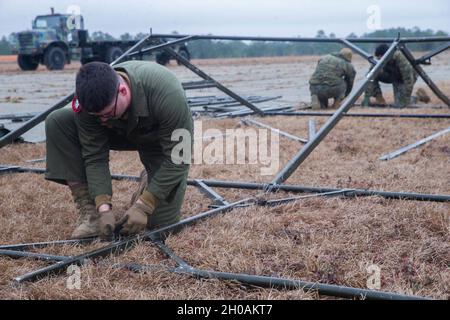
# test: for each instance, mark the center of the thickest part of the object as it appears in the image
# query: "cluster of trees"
(5, 46)
(228, 49)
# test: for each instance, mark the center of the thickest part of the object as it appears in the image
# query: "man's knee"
(59, 120)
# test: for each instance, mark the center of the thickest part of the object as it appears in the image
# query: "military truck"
(56, 39)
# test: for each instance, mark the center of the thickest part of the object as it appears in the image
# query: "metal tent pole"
(218, 85)
(282, 187)
(119, 246)
(396, 153)
(275, 282)
(282, 133)
(423, 75)
(311, 129)
(293, 164)
(359, 51)
(300, 39)
(425, 59)
(359, 115)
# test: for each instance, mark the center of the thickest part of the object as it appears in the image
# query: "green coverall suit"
(78, 144)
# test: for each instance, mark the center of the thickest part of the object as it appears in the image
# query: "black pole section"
(160, 46)
(119, 246)
(360, 115)
(423, 75)
(32, 255)
(37, 245)
(218, 85)
(293, 164)
(298, 39)
(425, 59)
(280, 283)
(34, 121)
(18, 116)
(346, 192)
(241, 113)
(281, 187)
(198, 85)
(359, 51)
(126, 53)
(17, 169)
(324, 289)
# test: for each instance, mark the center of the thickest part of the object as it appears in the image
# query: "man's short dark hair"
(96, 86)
(381, 49)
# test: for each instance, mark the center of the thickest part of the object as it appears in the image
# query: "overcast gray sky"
(236, 17)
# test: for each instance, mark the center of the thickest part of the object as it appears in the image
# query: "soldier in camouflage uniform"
(135, 106)
(397, 71)
(333, 78)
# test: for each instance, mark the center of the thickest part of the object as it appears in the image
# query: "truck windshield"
(48, 22)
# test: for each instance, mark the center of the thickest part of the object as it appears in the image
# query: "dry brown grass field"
(326, 240)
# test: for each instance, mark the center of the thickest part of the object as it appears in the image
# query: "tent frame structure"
(221, 205)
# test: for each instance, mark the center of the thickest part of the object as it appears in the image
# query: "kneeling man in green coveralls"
(134, 105)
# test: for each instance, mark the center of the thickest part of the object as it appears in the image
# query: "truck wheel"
(85, 60)
(26, 62)
(184, 54)
(112, 54)
(55, 58)
(163, 58)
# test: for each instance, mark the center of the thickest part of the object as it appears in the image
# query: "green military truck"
(56, 39)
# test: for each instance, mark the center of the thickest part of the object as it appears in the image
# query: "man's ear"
(123, 90)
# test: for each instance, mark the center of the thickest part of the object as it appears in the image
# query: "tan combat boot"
(88, 224)
(422, 95)
(380, 100)
(336, 103)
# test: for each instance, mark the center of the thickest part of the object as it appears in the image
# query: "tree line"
(202, 49)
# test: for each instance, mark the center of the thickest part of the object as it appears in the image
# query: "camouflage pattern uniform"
(333, 78)
(401, 74)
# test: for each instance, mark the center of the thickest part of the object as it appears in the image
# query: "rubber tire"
(112, 54)
(26, 62)
(55, 58)
(163, 58)
(185, 54)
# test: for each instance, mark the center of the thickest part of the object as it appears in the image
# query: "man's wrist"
(148, 199)
(101, 200)
(104, 207)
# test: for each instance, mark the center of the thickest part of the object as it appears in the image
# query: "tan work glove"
(135, 219)
(107, 223)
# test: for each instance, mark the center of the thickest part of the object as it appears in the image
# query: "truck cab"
(57, 38)
(47, 42)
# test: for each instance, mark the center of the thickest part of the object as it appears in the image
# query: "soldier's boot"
(143, 181)
(379, 99)
(315, 104)
(366, 101)
(422, 95)
(88, 224)
(336, 103)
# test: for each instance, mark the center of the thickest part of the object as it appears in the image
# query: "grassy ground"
(320, 240)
